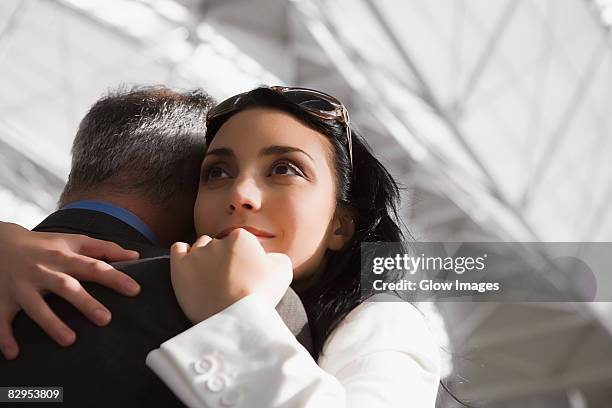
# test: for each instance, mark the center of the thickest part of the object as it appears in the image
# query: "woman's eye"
(286, 169)
(215, 173)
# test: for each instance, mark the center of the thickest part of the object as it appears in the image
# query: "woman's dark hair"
(366, 187)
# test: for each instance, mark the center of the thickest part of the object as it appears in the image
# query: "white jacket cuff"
(245, 350)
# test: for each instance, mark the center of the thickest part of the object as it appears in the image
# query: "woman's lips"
(257, 232)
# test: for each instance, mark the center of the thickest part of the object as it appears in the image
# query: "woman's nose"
(246, 196)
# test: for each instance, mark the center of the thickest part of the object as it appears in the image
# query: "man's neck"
(167, 225)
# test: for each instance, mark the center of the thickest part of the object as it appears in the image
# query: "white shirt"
(382, 354)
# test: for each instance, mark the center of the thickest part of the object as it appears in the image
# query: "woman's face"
(267, 172)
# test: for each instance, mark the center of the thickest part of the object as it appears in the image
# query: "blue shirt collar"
(120, 213)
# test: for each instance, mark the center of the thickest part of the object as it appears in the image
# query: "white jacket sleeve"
(381, 355)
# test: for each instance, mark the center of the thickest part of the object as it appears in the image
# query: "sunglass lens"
(224, 107)
(309, 101)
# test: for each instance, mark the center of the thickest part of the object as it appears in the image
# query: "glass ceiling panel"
(508, 97)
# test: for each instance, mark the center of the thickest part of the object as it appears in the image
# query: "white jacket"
(381, 355)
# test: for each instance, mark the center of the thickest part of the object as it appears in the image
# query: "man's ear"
(342, 229)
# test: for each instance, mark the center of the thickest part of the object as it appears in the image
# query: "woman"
(284, 172)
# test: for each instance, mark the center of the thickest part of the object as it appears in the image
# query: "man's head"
(142, 149)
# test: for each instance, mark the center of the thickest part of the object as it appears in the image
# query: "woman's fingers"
(51, 262)
(178, 250)
(92, 270)
(35, 306)
(202, 241)
(99, 249)
(8, 344)
(71, 290)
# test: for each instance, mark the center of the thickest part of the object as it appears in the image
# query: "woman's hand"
(34, 263)
(213, 273)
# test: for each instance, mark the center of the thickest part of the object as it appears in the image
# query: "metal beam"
(542, 71)
(525, 332)
(529, 386)
(600, 216)
(66, 58)
(320, 28)
(518, 365)
(28, 179)
(489, 49)
(13, 19)
(601, 122)
(9, 27)
(474, 320)
(429, 96)
(595, 11)
(456, 49)
(492, 185)
(561, 130)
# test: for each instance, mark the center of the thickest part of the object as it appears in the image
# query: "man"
(133, 181)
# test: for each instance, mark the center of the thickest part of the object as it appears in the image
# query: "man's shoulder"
(161, 262)
(153, 274)
(102, 226)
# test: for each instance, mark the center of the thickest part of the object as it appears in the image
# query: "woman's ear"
(342, 228)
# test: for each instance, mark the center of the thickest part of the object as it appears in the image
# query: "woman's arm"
(381, 355)
(34, 263)
(384, 355)
(244, 356)
(240, 353)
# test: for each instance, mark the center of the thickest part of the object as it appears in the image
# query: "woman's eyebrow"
(273, 150)
(221, 151)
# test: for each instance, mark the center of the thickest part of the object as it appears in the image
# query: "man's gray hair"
(145, 139)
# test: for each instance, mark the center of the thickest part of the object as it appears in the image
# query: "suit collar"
(92, 223)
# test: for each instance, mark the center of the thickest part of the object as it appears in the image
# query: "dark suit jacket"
(106, 366)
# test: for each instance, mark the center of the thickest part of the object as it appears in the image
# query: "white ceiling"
(494, 114)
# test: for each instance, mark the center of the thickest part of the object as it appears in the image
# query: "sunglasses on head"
(314, 102)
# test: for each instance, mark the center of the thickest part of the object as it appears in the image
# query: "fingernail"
(102, 316)
(66, 336)
(9, 352)
(131, 287)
